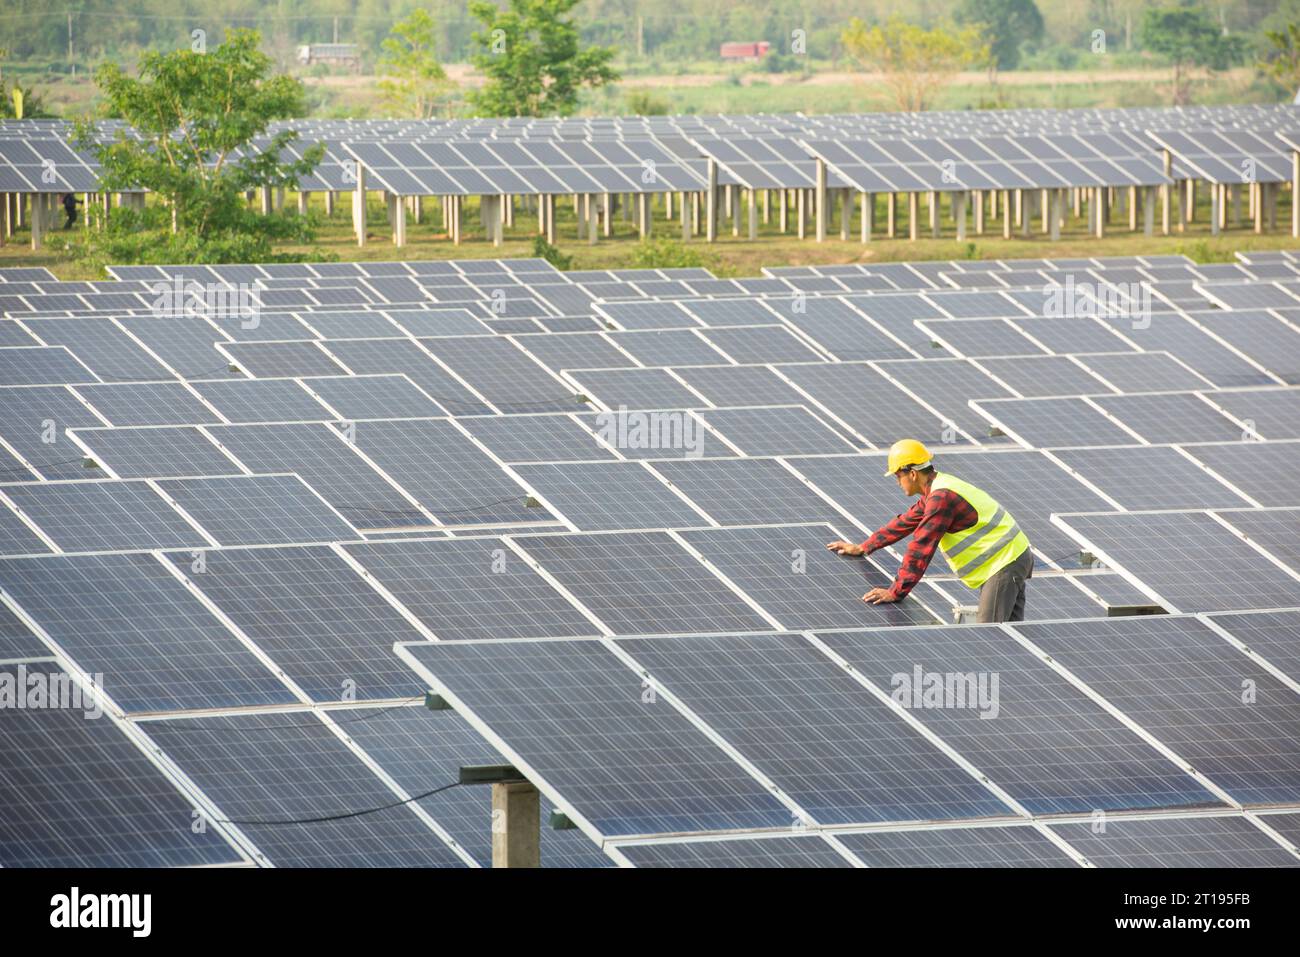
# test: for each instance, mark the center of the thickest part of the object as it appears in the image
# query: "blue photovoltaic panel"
(793, 577)
(856, 392)
(166, 452)
(755, 344)
(1272, 413)
(104, 516)
(1172, 417)
(574, 714)
(1143, 372)
(668, 347)
(1263, 470)
(535, 438)
(394, 356)
(503, 374)
(584, 351)
(450, 475)
(642, 583)
(1054, 423)
(1274, 635)
(608, 495)
(16, 537)
(747, 491)
(31, 416)
(418, 746)
(1224, 842)
(328, 464)
(314, 616)
(1273, 531)
(17, 640)
(636, 389)
(258, 509)
(1125, 475)
(373, 397)
(839, 329)
(262, 400)
(188, 345)
(263, 359)
(1182, 682)
(41, 365)
(1001, 846)
(834, 748)
(101, 346)
(79, 793)
(151, 403)
(1216, 570)
(1033, 734)
(126, 617)
(284, 767)
(648, 315)
(741, 385)
(471, 588)
(946, 385)
(806, 851)
(777, 430)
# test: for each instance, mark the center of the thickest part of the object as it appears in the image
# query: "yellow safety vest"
(991, 544)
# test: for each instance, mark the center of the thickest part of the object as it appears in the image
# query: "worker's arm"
(900, 527)
(942, 511)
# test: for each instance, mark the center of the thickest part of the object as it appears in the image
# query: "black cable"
(337, 817)
(182, 377)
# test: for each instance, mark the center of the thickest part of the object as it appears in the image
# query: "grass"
(735, 255)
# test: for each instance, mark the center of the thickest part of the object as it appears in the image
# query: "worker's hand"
(878, 596)
(845, 548)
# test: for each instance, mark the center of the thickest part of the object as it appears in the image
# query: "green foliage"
(413, 82)
(1187, 36)
(1282, 61)
(645, 103)
(534, 60)
(544, 250)
(783, 63)
(916, 63)
(194, 112)
(668, 254)
(1008, 25)
(1201, 251)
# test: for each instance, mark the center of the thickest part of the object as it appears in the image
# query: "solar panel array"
(254, 541)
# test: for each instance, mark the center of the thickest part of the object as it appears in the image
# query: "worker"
(980, 539)
(70, 204)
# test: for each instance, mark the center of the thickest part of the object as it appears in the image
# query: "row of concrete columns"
(42, 211)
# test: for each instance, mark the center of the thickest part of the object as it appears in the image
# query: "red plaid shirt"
(933, 516)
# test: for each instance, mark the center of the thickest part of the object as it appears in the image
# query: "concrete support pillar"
(846, 213)
(891, 215)
(783, 212)
(868, 213)
(1006, 214)
(457, 210)
(685, 213)
(1272, 205)
(1099, 212)
(711, 203)
(643, 213)
(516, 821)
(1216, 208)
(359, 206)
(1236, 194)
(913, 216)
(1132, 202)
(733, 204)
(801, 212)
(417, 208)
(821, 200)
(959, 212)
(38, 219)
(399, 223)
(767, 206)
(1258, 205)
(267, 200)
(304, 199)
(550, 217)
(1045, 208)
(1191, 202)
(329, 202)
(606, 205)
(593, 224)
(753, 213)
(1149, 210)
(1056, 214)
(979, 213)
(695, 213)
(279, 199)
(934, 213)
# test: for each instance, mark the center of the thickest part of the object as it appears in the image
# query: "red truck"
(745, 51)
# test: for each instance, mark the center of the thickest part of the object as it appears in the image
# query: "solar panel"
(1177, 842)
(1271, 413)
(164, 452)
(608, 495)
(503, 374)
(574, 715)
(32, 421)
(101, 346)
(854, 392)
(313, 615)
(80, 793)
(257, 509)
(1032, 733)
(1004, 846)
(648, 315)
(979, 337)
(641, 583)
(1043, 376)
(668, 347)
(372, 397)
(329, 464)
(776, 430)
(1150, 476)
(842, 755)
(535, 438)
(946, 385)
(1180, 337)
(277, 767)
(1272, 530)
(807, 851)
(577, 351)
(43, 365)
(741, 385)
(747, 491)
(757, 344)
(101, 516)
(1263, 337)
(1053, 423)
(152, 403)
(1142, 372)
(1184, 684)
(418, 747)
(124, 615)
(1215, 571)
(636, 389)
(16, 536)
(1270, 634)
(394, 356)
(262, 400)
(450, 475)
(471, 589)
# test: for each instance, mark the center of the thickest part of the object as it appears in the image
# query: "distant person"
(70, 204)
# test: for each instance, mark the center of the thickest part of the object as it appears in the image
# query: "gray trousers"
(1002, 597)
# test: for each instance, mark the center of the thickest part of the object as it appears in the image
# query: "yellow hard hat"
(907, 453)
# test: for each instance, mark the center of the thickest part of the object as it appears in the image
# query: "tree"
(1282, 61)
(1189, 38)
(1008, 25)
(916, 62)
(412, 80)
(533, 59)
(196, 115)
